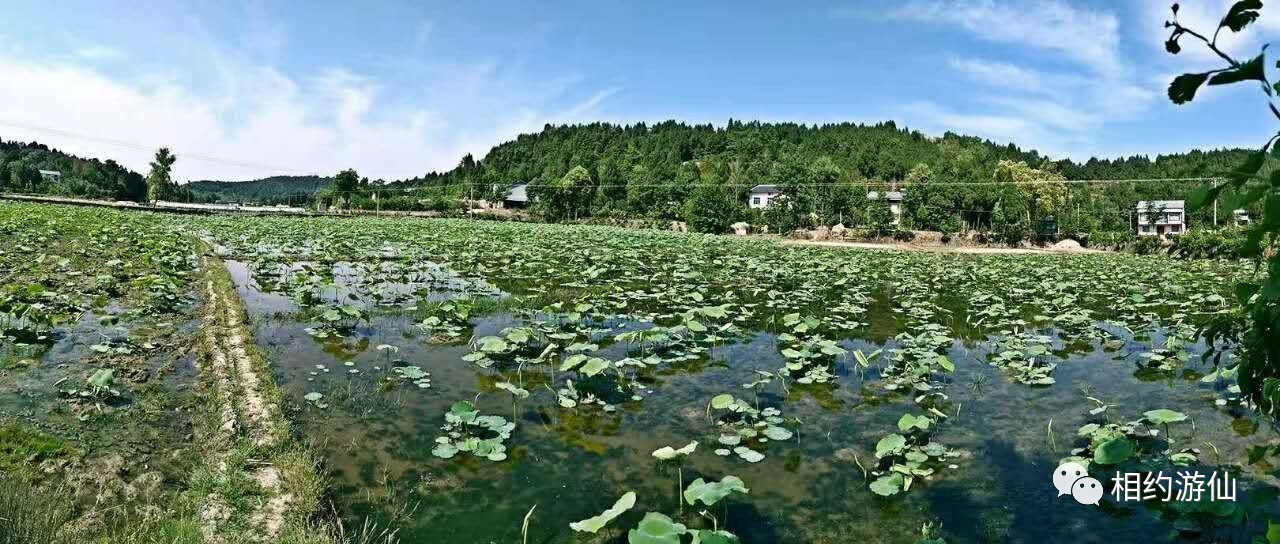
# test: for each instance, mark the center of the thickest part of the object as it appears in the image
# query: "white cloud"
(1090, 38)
(998, 73)
(99, 53)
(1061, 110)
(265, 122)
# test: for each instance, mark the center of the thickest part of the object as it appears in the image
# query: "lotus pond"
(94, 377)
(485, 382)
(490, 382)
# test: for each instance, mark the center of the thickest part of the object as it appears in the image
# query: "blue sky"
(395, 89)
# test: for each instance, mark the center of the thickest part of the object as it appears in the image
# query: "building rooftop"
(1162, 204)
(892, 196)
(765, 189)
(518, 193)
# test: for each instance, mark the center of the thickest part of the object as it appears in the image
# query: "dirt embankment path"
(250, 445)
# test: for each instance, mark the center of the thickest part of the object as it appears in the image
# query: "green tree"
(1044, 192)
(25, 177)
(879, 216)
(1254, 180)
(160, 185)
(567, 197)
(346, 183)
(712, 209)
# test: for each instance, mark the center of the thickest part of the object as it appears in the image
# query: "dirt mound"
(1067, 245)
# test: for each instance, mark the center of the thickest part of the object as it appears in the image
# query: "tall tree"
(160, 184)
(565, 198)
(346, 183)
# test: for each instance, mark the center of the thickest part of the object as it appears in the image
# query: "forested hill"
(644, 170)
(295, 190)
(652, 171)
(752, 152)
(21, 163)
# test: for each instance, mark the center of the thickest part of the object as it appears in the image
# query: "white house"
(763, 195)
(517, 196)
(894, 198)
(1240, 217)
(49, 175)
(1161, 217)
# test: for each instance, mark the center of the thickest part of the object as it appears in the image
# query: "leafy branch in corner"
(1256, 329)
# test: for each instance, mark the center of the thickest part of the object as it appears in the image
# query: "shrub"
(1147, 245)
(1116, 240)
(1209, 243)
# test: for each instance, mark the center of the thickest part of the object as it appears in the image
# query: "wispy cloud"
(333, 119)
(1061, 110)
(99, 53)
(998, 73)
(1090, 38)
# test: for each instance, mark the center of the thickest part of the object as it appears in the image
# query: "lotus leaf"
(888, 485)
(710, 493)
(890, 445)
(594, 524)
(1164, 416)
(1114, 451)
(656, 528)
(667, 453)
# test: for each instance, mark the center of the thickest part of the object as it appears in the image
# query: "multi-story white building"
(1161, 217)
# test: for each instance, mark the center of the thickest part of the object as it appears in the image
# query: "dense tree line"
(288, 190)
(703, 174)
(672, 170)
(21, 163)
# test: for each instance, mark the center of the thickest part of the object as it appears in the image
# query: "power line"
(143, 147)
(877, 184)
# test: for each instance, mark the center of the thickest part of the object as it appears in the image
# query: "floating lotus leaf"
(909, 422)
(1116, 450)
(512, 388)
(1164, 416)
(593, 524)
(467, 431)
(777, 433)
(712, 492)
(888, 485)
(721, 402)
(594, 365)
(703, 536)
(493, 344)
(411, 372)
(749, 455)
(730, 439)
(667, 453)
(656, 528)
(890, 444)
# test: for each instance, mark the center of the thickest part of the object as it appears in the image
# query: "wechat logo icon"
(1072, 479)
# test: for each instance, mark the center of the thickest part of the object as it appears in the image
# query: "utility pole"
(1215, 213)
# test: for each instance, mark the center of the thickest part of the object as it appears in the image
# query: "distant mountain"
(273, 190)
